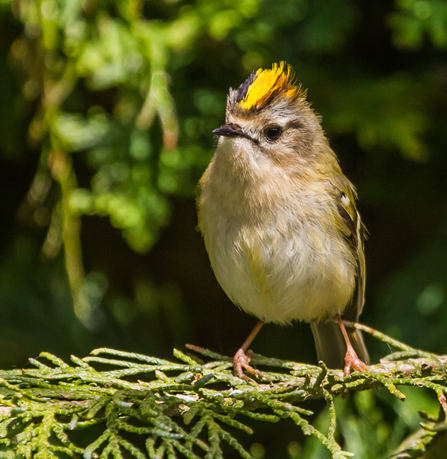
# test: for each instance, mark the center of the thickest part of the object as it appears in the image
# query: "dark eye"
(273, 133)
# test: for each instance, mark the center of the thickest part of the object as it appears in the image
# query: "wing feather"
(355, 233)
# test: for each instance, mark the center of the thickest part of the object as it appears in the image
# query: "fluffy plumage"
(278, 216)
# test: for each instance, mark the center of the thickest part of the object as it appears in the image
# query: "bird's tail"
(331, 347)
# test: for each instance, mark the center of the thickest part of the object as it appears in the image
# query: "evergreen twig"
(145, 407)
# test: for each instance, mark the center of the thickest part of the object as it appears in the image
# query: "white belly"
(303, 274)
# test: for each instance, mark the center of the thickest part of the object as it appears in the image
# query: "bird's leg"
(351, 358)
(241, 359)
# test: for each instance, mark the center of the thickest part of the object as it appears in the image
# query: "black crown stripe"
(243, 88)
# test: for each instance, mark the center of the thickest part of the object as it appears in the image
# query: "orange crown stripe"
(268, 82)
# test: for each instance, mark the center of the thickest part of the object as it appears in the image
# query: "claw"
(351, 358)
(241, 362)
(352, 361)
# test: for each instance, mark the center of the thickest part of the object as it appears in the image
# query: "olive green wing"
(355, 233)
(328, 338)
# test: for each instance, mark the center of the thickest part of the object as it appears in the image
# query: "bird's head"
(269, 117)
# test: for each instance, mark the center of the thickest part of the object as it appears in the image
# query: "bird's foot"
(352, 361)
(241, 361)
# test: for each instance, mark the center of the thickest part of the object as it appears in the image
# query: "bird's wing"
(355, 233)
(328, 338)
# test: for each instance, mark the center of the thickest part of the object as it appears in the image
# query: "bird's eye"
(273, 133)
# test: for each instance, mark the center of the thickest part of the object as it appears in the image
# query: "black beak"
(232, 130)
(229, 130)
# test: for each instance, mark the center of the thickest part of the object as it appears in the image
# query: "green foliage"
(78, 52)
(415, 18)
(189, 409)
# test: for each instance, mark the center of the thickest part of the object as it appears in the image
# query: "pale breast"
(304, 273)
(272, 239)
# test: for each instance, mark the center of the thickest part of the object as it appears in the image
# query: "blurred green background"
(106, 113)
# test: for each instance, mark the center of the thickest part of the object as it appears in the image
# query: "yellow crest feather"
(267, 82)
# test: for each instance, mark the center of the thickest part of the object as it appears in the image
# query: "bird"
(279, 220)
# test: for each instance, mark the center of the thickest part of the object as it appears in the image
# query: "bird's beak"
(232, 130)
(229, 130)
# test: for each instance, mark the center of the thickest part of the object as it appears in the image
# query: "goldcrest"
(279, 219)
